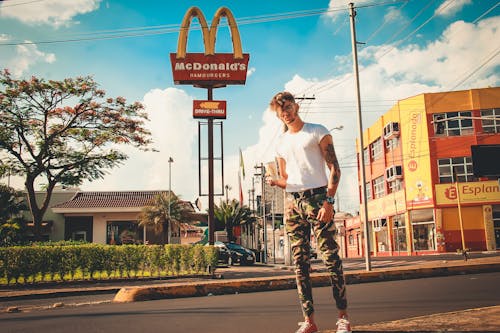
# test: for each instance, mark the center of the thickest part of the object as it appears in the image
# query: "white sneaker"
(307, 327)
(343, 325)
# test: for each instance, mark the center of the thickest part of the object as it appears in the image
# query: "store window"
(424, 230)
(399, 233)
(496, 224)
(395, 185)
(376, 149)
(490, 120)
(379, 187)
(391, 144)
(462, 166)
(368, 189)
(366, 156)
(453, 123)
(124, 232)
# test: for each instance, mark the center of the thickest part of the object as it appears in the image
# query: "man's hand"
(270, 181)
(280, 182)
(326, 213)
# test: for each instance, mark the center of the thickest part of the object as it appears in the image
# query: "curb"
(208, 288)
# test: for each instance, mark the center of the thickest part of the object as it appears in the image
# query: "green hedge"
(39, 263)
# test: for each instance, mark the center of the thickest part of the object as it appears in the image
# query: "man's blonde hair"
(279, 99)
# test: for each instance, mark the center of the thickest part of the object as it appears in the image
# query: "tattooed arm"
(328, 152)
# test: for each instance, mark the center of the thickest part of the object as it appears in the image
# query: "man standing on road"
(303, 151)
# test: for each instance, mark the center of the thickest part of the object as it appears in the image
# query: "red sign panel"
(209, 109)
(209, 70)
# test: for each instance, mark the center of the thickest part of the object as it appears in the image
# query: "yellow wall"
(472, 218)
(463, 100)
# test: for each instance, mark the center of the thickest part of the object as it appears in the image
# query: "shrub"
(60, 262)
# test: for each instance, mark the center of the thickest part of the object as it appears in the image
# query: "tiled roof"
(110, 199)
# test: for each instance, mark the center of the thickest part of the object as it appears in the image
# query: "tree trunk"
(37, 212)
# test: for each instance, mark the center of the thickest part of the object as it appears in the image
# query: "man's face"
(287, 112)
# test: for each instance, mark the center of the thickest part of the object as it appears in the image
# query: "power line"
(18, 4)
(167, 29)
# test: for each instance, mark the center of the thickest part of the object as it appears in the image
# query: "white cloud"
(393, 14)
(250, 71)
(174, 133)
(20, 59)
(451, 7)
(337, 8)
(462, 48)
(52, 12)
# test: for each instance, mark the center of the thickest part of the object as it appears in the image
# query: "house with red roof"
(110, 217)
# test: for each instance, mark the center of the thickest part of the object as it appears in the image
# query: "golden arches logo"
(209, 35)
(209, 69)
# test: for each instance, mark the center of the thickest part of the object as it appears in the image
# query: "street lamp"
(338, 128)
(170, 161)
(227, 192)
(341, 127)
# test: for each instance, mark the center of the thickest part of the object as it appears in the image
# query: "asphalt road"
(275, 312)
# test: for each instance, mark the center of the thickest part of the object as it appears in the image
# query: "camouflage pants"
(301, 215)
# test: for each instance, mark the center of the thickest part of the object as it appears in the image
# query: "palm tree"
(162, 218)
(230, 214)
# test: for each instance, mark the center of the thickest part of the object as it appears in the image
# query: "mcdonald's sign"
(209, 69)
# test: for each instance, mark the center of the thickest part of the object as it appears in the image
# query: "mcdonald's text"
(220, 68)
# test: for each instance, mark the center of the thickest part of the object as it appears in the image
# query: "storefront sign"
(209, 68)
(209, 109)
(416, 149)
(388, 205)
(486, 192)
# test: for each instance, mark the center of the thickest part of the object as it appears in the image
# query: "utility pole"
(273, 222)
(263, 206)
(169, 230)
(352, 14)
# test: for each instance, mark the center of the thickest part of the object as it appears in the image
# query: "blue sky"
(411, 47)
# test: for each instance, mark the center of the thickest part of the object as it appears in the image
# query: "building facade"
(422, 195)
(109, 217)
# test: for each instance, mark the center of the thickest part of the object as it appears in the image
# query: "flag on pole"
(241, 190)
(242, 165)
(241, 172)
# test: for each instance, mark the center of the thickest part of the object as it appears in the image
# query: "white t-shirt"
(305, 165)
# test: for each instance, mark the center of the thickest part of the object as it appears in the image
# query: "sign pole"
(211, 215)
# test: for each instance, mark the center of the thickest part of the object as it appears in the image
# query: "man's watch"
(330, 200)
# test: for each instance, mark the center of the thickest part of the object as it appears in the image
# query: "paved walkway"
(271, 277)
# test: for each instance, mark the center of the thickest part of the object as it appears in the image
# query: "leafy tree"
(11, 223)
(230, 214)
(63, 132)
(159, 216)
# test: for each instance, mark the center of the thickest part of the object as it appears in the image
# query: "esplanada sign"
(209, 69)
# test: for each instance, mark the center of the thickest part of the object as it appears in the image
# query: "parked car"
(224, 253)
(240, 254)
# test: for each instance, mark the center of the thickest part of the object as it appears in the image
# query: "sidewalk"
(482, 320)
(260, 277)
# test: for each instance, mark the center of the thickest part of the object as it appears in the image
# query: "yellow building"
(413, 155)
